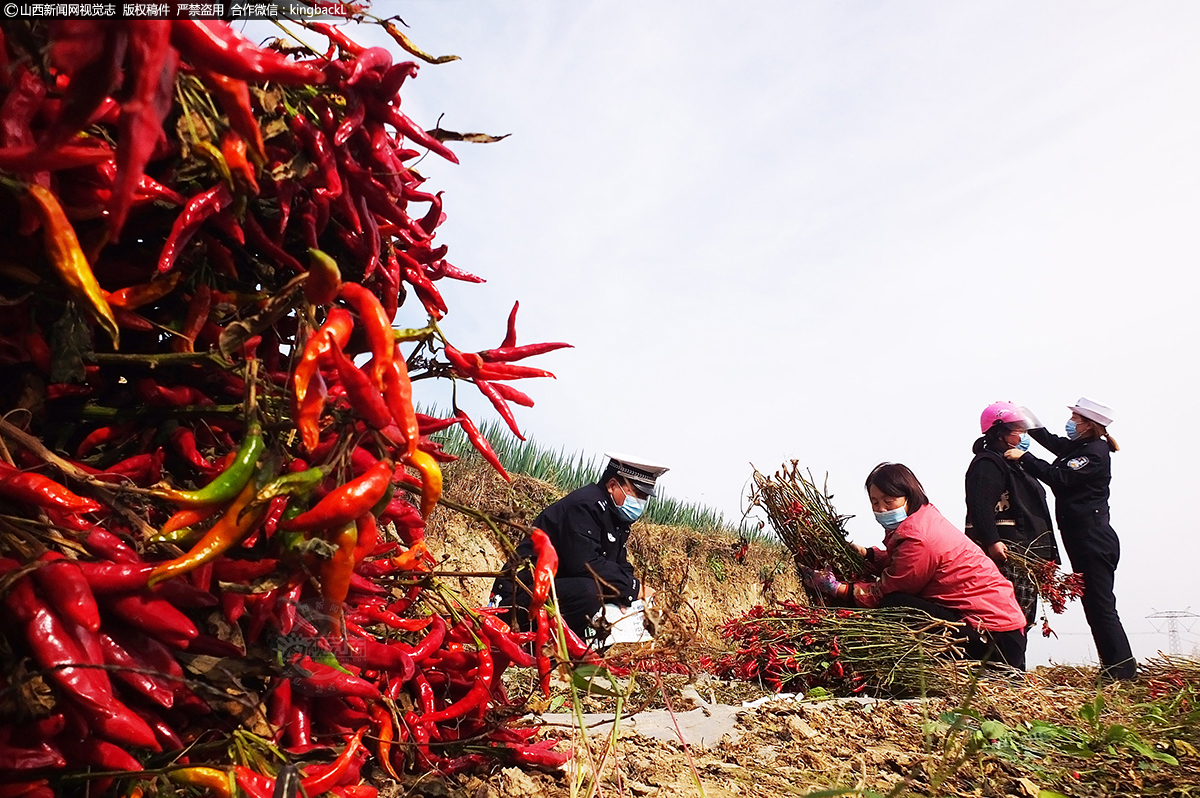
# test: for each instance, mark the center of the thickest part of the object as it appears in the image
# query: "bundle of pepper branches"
(211, 509)
(789, 647)
(1165, 674)
(1053, 586)
(808, 524)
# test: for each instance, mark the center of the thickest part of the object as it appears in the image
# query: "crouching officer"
(589, 528)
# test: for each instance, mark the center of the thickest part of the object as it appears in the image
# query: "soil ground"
(1022, 736)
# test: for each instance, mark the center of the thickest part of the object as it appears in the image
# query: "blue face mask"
(632, 508)
(1072, 431)
(891, 519)
(1025, 442)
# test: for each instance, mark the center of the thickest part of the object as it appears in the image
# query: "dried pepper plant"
(892, 653)
(1053, 586)
(806, 520)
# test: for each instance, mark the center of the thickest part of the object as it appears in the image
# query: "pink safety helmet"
(1006, 413)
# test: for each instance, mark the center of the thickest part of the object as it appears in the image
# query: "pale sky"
(835, 231)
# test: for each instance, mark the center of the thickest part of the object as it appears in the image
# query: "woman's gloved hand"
(825, 583)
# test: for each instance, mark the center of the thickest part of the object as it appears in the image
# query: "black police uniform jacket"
(1079, 478)
(590, 537)
(1005, 502)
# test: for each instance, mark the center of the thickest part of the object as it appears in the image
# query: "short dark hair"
(895, 479)
(995, 433)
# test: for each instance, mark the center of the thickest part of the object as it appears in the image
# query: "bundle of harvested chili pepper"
(217, 529)
(894, 653)
(806, 521)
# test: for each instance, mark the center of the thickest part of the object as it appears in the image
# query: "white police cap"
(1092, 411)
(641, 473)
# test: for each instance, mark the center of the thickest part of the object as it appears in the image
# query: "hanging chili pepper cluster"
(796, 648)
(208, 485)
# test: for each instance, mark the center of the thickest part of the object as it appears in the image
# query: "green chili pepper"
(228, 483)
(294, 484)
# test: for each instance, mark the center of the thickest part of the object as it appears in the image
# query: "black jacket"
(1079, 476)
(1004, 502)
(590, 536)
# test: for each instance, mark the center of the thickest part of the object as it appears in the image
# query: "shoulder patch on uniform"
(1077, 463)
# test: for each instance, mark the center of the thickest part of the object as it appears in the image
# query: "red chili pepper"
(66, 588)
(322, 157)
(498, 632)
(373, 61)
(130, 670)
(322, 679)
(40, 491)
(34, 158)
(511, 394)
(199, 208)
(363, 395)
(115, 577)
(431, 642)
(220, 48)
(155, 616)
(377, 326)
(336, 37)
(539, 645)
(480, 443)
(476, 699)
(489, 390)
(346, 503)
(505, 354)
(544, 571)
(151, 75)
(257, 236)
(391, 115)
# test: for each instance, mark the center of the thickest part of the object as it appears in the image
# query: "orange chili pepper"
(411, 560)
(62, 247)
(337, 570)
(338, 324)
(383, 719)
(216, 781)
(186, 517)
(227, 532)
(135, 296)
(308, 412)
(233, 148)
(431, 480)
(397, 393)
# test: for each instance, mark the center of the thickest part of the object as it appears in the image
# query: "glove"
(826, 583)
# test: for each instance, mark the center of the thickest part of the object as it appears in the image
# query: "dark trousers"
(578, 600)
(1094, 551)
(1005, 647)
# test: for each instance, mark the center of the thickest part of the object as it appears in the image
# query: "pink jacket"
(928, 557)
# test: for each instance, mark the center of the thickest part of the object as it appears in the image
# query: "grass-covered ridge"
(567, 471)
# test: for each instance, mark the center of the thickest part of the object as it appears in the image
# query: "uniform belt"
(1002, 522)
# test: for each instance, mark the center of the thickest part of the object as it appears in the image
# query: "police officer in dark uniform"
(1079, 478)
(1006, 505)
(589, 528)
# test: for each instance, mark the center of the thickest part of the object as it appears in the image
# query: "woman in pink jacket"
(928, 564)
